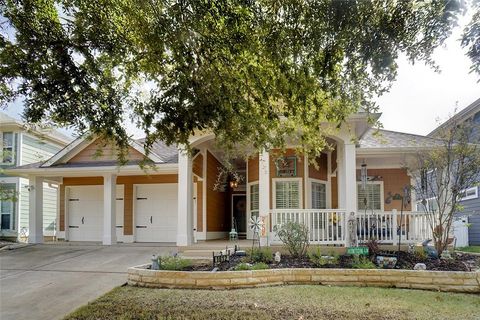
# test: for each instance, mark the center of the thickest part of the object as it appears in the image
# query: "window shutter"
(319, 196)
(287, 195)
(372, 193)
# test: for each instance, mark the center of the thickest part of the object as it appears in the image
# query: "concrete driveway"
(51, 280)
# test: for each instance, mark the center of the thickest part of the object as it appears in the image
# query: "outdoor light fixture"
(233, 184)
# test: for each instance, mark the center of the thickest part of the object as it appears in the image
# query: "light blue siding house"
(471, 200)
(21, 147)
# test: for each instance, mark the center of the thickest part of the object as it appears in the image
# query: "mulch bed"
(406, 261)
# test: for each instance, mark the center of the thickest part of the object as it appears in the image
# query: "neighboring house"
(178, 202)
(19, 147)
(471, 200)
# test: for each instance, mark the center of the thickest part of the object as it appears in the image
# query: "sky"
(420, 98)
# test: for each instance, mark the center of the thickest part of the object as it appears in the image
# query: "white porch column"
(347, 181)
(35, 214)
(264, 195)
(109, 210)
(185, 197)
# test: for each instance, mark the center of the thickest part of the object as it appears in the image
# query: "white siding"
(35, 149)
(49, 208)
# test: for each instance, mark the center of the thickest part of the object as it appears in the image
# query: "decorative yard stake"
(255, 225)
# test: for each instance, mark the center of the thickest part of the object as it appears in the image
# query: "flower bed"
(428, 280)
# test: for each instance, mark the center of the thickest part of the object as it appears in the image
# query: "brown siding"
(103, 151)
(197, 165)
(334, 160)
(127, 181)
(300, 170)
(216, 217)
(199, 206)
(334, 189)
(253, 169)
(393, 182)
(319, 173)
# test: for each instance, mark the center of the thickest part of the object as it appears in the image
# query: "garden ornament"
(155, 262)
(446, 255)
(256, 225)
(429, 250)
(278, 257)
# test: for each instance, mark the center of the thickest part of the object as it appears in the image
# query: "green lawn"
(285, 302)
(475, 249)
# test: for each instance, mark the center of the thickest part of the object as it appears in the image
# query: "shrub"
(373, 248)
(242, 267)
(294, 236)
(264, 255)
(174, 263)
(260, 266)
(315, 257)
(246, 266)
(361, 262)
(420, 253)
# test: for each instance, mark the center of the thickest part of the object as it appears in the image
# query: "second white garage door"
(156, 212)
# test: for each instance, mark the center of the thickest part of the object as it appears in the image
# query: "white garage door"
(156, 212)
(85, 213)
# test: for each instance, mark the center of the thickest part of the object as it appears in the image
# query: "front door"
(239, 214)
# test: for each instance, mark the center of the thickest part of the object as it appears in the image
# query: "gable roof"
(381, 139)
(461, 116)
(50, 134)
(155, 155)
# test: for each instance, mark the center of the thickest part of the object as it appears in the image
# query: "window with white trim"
(319, 195)
(287, 194)
(254, 200)
(7, 140)
(467, 194)
(429, 205)
(369, 198)
(7, 206)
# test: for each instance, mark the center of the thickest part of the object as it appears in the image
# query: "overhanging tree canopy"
(249, 71)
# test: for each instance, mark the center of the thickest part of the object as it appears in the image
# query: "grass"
(284, 302)
(475, 249)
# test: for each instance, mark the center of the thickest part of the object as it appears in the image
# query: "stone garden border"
(449, 281)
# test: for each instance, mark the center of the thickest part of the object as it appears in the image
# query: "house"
(21, 147)
(470, 200)
(185, 198)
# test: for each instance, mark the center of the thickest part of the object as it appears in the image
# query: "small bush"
(174, 263)
(315, 257)
(420, 253)
(264, 255)
(260, 266)
(294, 236)
(242, 267)
(373, 248)
(246, 266)
(361, 262)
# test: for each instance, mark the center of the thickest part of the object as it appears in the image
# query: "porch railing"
(324, 226)
(329, 226)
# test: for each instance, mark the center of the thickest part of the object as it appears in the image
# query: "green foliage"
(251, 72)
(361, 262)
(242, 267)
(420, 253)
(260, 255)
(174, 263)
(260, 266)
(315, 256)
(294, 236)
(256, 266)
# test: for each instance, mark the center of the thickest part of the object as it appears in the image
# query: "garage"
(155, 211)
(85, 212)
